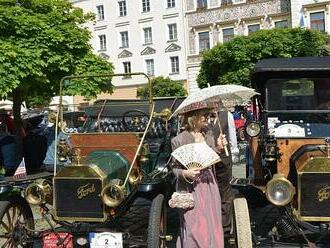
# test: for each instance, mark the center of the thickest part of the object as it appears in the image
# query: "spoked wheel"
(241, 227)
(157, 223)
(14, 217)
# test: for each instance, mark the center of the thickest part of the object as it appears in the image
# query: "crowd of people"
(37, 144)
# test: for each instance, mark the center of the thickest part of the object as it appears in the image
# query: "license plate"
(106, 240)
(59, 240)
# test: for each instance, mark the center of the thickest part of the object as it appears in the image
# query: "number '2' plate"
(106, 240)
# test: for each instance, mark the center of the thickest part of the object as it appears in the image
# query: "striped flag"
(20, 171)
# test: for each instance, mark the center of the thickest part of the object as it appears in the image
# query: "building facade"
(138, 36)
(209, 22)
(312, 14)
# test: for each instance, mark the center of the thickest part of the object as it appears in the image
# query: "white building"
(313, 14)
(209, 22)
(138, 36)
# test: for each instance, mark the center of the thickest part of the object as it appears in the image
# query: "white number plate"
(106, 240)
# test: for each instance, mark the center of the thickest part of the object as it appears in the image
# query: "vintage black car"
(289, 150)
(114, 188)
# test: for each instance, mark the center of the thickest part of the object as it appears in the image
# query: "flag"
(20, 171)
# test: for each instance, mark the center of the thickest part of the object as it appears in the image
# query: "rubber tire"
(242, 226)
(156, 215)
(26, 212)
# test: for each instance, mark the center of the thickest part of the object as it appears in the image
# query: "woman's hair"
(191, 118)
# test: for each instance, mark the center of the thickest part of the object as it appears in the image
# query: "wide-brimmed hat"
(202, 105)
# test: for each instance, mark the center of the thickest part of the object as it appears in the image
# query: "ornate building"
(312, 14)
(209, 22)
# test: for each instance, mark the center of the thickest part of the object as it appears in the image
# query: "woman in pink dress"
(200, 226)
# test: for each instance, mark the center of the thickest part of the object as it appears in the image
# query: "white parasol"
(227, 95)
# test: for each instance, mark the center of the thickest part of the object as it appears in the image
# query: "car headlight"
(253, 129)
(279, 190)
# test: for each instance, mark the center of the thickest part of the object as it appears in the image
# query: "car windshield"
(114, 114)
(298, 94)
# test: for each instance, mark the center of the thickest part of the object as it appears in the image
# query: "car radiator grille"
(314, 196)
(78, 199)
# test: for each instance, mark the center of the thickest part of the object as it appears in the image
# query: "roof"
(293, 64)
(117, 107)
(308, 67)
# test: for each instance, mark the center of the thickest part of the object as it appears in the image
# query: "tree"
(40, 42)
(162, 87)
(231, 62)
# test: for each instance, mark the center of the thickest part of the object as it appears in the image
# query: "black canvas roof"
(289, 68)
(117, 107)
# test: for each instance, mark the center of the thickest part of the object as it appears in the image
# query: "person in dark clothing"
(8, 151)
(223, 170)
(34, 150)
(7, 120)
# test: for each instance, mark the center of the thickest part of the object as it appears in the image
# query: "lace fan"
(196, 155)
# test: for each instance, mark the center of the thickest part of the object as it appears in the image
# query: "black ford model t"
(114, 188)
(289, 148)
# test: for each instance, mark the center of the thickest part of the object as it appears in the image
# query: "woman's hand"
(191, 173)
(222, 142)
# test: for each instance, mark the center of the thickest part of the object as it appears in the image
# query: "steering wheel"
(136, 124)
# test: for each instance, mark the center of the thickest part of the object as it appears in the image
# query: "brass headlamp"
(112, 194)
(39, 192)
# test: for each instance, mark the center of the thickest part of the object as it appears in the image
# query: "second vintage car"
(289, 150)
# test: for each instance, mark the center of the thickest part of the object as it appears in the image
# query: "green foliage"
(162, 87)
(40, 42)
(231, 62)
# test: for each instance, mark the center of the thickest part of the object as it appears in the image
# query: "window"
(127, 67)
(204, 41)
(145, 5)
(124, 39)
(150, 67)
(239, 1)
(201, 4)
(172, 32)
(226, 2)
(100, 12)
(147, 35)
(253, 28)
(227, 34)
(282, 24)
(317, 21)
(103, 42)
(170, 3)
(174, 64)
(122, 8)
